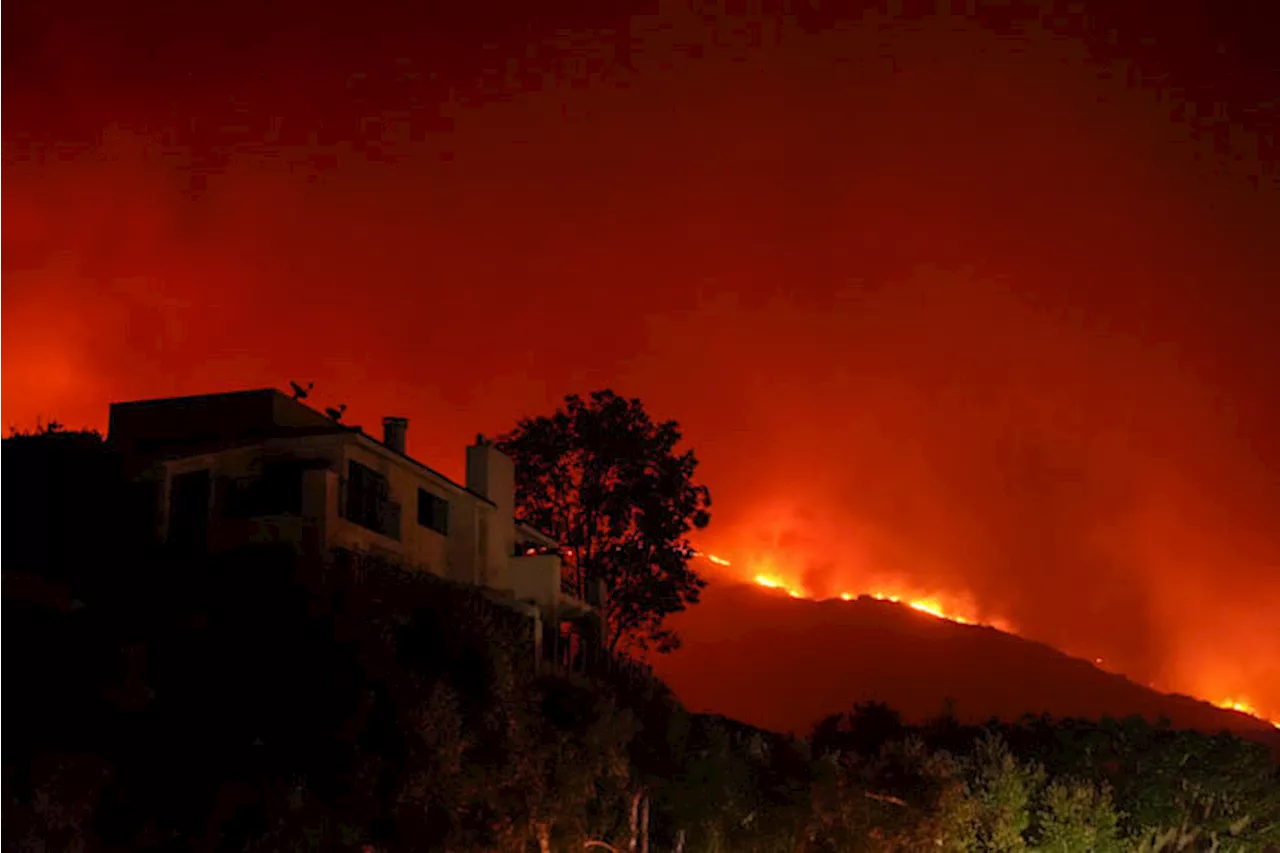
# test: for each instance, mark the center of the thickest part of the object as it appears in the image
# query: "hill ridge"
(765, 657)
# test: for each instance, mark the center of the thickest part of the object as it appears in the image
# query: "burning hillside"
(991, 673)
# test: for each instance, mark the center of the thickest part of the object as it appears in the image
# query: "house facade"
(227, 470)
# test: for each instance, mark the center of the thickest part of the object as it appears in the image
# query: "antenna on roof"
(336, 414)
(299, 392)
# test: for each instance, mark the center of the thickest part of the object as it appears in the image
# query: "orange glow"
(771, 582)
(1017, 370)
(934, 606)
(1244, 708)
(934, 610)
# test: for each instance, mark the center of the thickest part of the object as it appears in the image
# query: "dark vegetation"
(607, 482)
(256, 702)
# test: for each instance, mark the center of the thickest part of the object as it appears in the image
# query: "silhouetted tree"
(868, 728)
(607, 481)
(65, 506)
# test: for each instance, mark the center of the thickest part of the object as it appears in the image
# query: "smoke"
(1014, 359)
(1093, 489)
(936, 308)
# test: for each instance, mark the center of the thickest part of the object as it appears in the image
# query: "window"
(433, 511)
(368, 501)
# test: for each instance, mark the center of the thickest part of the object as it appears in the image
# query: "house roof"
(202, 422)
(427, 468)
(535, 533)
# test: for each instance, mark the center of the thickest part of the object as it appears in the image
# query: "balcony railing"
(370, 510)
(253, 497)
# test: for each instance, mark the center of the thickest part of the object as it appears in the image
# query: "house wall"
(479, 547)
(458, 555)
(453, 555)
(492, 473)
(467, 551)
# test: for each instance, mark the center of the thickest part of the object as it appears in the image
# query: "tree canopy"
(608, 482)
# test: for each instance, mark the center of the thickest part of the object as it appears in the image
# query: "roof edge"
(186, 398)
(425, 467)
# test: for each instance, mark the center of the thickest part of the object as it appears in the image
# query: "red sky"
(986, 315)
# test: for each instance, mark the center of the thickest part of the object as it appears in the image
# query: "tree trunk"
(679, 841)
(634, 838)
(543, 831)
(644, 826)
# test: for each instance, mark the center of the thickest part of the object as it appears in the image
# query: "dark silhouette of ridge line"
(783, 663)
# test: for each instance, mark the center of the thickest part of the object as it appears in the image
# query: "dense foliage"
(257, 702)
(609, 484)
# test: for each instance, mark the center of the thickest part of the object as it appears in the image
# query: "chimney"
(491, 473)
(393, 430)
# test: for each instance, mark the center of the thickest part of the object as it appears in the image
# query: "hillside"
(783, 663)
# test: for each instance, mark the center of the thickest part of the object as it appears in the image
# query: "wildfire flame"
(931, 606)
(772, 583)
(1244, 708)
(935, 608)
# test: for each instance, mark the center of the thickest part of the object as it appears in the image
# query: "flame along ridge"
(934, 608)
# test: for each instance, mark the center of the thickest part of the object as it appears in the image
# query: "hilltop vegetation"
(257, 702)
(780, 675)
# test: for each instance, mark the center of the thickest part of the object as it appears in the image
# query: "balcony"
(283, 504)
(536, 578)
(254, 497)
(569, 596)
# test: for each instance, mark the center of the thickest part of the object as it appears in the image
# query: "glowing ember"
(935, 608)
(930, 606)
(774, 583)
(1244, 708)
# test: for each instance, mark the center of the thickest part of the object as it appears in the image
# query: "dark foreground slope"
(256, 701)
(783, 663)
